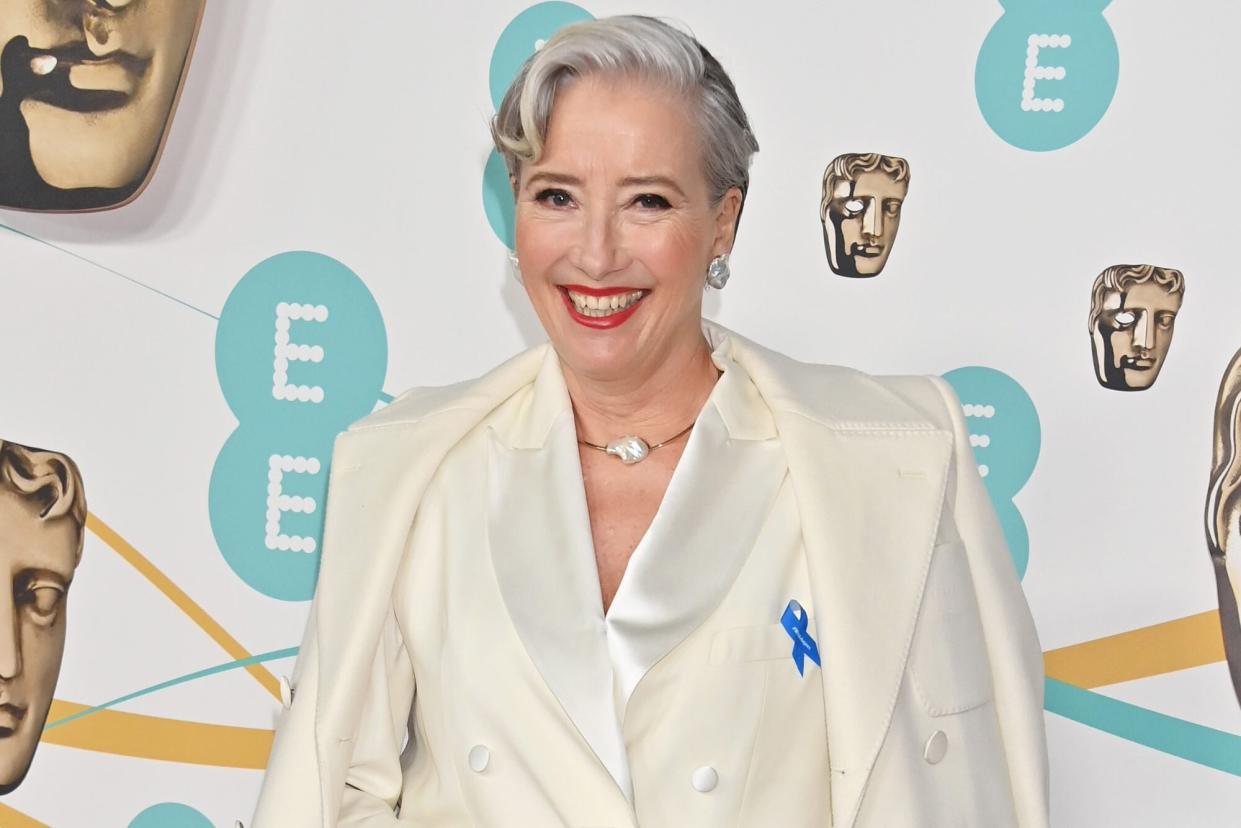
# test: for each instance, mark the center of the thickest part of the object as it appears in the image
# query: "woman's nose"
(597, 253)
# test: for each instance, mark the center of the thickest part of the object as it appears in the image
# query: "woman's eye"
(1165, 320)
(556, 198)
(894, 207)
(652, 201)
(853, 207)
(1124, 319)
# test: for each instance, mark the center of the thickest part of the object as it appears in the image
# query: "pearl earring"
(717, 272)
(512, 260)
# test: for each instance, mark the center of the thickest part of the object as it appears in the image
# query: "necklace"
(631, 448)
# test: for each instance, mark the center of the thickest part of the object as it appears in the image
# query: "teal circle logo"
(1006, 436)
(521, 38)
(498, 199)
(1047, 72)
(301, 352)
(170, 815)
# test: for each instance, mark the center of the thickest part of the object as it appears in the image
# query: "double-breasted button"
(705, 779)
(936, 747)
(286, 691)
(479, 757)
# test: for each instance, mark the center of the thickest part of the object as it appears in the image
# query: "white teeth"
(43, 64)
(603, 305)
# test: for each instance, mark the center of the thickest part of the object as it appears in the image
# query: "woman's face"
(99, 80)
(617, 211)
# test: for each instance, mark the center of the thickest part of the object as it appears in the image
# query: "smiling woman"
(556, 594)
(87, 91)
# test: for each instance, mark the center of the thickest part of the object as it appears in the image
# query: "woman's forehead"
(620, 122)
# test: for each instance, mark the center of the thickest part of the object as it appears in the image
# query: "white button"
(479, 757)
(705, 779)
(936, 747)
(286, 691)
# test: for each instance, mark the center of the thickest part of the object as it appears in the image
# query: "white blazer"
(932, 680)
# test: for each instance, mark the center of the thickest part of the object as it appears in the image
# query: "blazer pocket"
(757, 642)
(949, 667)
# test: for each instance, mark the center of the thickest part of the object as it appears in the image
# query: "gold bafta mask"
(42, 519)
(860, 211)
(87, 92)
(1223, 514)
(1132, 315)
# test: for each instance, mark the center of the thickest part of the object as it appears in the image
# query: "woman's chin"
(598, 353)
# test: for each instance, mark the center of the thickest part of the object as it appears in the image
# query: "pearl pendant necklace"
(631, 448)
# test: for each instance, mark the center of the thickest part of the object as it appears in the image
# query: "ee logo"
(300, 352)
(1005, 435)
(520, 39)
(1047, 72)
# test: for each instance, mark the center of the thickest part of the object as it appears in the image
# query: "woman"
(799, 609)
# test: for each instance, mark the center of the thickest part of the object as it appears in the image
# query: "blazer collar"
(735, 398)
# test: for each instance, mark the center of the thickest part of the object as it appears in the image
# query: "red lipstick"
(599, 322)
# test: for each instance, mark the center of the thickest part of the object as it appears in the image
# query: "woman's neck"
(653, 404)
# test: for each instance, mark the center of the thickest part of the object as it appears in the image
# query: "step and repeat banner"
(229, 228)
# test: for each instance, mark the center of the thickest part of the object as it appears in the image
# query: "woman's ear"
(512, 182)
(726, 216)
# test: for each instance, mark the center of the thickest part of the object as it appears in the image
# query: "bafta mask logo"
(861, 211)
(42, 519)
(87, 91)
(1132, 312)
(1223, 514)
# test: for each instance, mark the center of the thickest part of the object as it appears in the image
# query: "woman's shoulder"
(845, 397)
(473, 397)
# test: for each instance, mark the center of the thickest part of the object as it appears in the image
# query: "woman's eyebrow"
(628, 181)
(554, 178)
(645, 180)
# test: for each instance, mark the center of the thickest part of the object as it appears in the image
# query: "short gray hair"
(629, 46)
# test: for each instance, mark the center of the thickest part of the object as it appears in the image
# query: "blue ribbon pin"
(794, 622)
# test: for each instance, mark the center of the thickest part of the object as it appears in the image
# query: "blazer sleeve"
(1011, 639)
(290, 796)
(375, 777)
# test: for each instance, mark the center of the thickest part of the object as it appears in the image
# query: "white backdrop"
(359, 131)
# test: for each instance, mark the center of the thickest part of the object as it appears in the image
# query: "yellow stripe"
(153, 737)
(184, 602)
(16, 819)
(1192, 641)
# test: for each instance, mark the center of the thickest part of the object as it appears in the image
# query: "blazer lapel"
(870, 503)
(716, 503)
(543, 556)
(379, 470)
(869, 474)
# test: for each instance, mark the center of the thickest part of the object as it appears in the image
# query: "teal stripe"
(288, 652)
(385, 397)
(106, 269)
(1197, 743)
(1194, 742)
